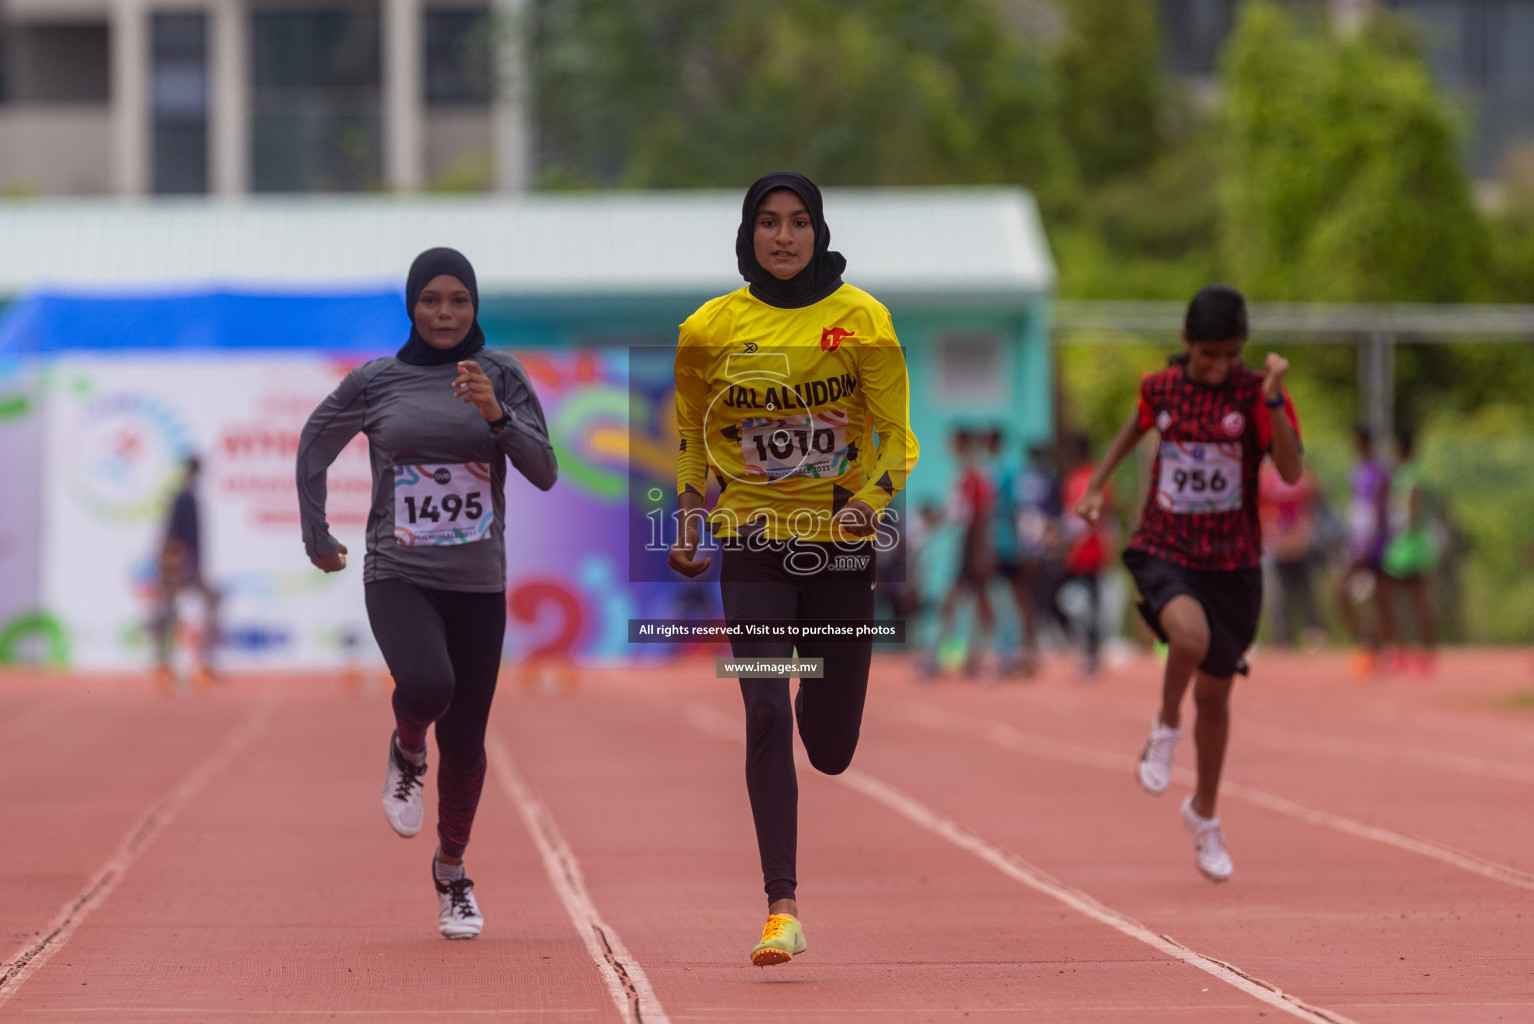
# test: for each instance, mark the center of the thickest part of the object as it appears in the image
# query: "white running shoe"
(402, 792)
(1155, 768)
(1208, 843)
(457, 912)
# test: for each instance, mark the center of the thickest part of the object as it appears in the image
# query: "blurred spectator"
(1290, 543)
(905, 595)
(181, 566)
(970, 512)
(1411, 556)
(1086, 553)
(1368, 530)
(1041, 535)
(1012, 558)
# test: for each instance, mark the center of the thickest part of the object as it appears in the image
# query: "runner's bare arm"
(1285, 447)
(690, 512)
(1090, 507)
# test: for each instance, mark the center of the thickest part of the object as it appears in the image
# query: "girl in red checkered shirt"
(1195, 557)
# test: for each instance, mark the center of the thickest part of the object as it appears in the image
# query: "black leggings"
(443, 648)
(761, 585)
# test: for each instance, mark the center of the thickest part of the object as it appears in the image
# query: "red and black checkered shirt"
(1201, 511)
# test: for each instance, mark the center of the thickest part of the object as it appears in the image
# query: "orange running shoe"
(782, 940)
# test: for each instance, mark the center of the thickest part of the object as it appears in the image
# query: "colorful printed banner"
(111, 436)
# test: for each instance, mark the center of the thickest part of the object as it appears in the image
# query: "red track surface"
(223, 857)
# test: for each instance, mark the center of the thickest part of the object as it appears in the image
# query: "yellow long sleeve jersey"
(796, 411)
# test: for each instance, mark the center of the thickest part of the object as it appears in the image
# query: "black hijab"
(430, 264)
(820, 277)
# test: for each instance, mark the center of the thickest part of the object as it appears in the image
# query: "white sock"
(446, 872)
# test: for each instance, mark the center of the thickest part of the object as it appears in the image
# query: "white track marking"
(29, 959)
(1287, 739)
(626, 980)
(1019, 870)
(1073, 753)
(1279, 738)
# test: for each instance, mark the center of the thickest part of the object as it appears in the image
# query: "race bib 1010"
(1199, 477)
(812, 446)
(442, 504)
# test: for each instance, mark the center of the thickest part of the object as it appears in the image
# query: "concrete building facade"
(228, 97)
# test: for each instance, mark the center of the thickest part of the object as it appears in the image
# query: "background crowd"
(1005, 573)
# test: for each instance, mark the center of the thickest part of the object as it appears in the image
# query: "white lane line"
(1019, 870)
(1278, 738)
(29, 959)
(1057, 750)
(1358, 750)
(626, 981)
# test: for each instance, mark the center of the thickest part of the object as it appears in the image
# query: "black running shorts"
(1231, 599)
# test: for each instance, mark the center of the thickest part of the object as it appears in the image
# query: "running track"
(223, 857)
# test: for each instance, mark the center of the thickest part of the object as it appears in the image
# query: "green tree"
(1113, 86)
(1144, 221)
(1343, 180)
(864, 92)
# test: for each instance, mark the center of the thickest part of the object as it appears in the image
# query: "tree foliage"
(1344, 181)
(862, 92)
(1113, 87)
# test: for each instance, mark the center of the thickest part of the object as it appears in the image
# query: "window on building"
(458, 56)
(179, 101)
(56, 63)
(972, 370)
(316, 98)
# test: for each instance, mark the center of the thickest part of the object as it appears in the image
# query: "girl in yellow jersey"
(793, 392)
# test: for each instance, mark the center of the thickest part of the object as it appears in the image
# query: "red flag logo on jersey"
(831, 337)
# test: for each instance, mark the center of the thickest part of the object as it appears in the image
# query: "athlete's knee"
(833, 760)
(830, 751)
(1189, 637)
(424, 694)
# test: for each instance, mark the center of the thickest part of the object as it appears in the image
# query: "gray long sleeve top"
(412, 420)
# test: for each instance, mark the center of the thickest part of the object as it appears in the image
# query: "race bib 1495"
(1199, 476)
(442, 504)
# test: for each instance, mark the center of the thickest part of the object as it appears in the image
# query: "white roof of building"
(944, 244)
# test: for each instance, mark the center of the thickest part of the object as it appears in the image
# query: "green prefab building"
(965, 272)
(139, 332)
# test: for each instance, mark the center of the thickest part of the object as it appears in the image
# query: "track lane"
(1395, 758)
(80, 765)
(280, 891)
(899, 920)
(1324, 914)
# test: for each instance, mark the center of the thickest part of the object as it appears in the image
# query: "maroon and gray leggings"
(443, 648)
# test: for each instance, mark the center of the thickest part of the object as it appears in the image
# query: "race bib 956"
(1199, 476)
